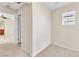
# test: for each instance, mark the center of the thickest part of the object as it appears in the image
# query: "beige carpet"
(56, 51)
(11, 50)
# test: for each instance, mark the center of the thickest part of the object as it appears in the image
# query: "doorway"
(19, 28)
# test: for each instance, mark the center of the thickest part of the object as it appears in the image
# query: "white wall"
(26, 28)
(65, 36)
(35, 28)
(41, 27)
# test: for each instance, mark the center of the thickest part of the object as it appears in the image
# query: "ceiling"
(12, 5)
(54, 5)
(17, 5)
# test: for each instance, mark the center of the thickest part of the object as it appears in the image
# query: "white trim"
(25, 51)
(41, 50)
(66, 47)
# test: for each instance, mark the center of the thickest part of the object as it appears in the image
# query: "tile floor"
(11, 50)
(56, 51)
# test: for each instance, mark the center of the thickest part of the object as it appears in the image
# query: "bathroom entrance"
(8, 33)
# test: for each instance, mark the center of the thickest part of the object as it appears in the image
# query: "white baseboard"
(65, 47)
(26, 51)
(41, 50)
